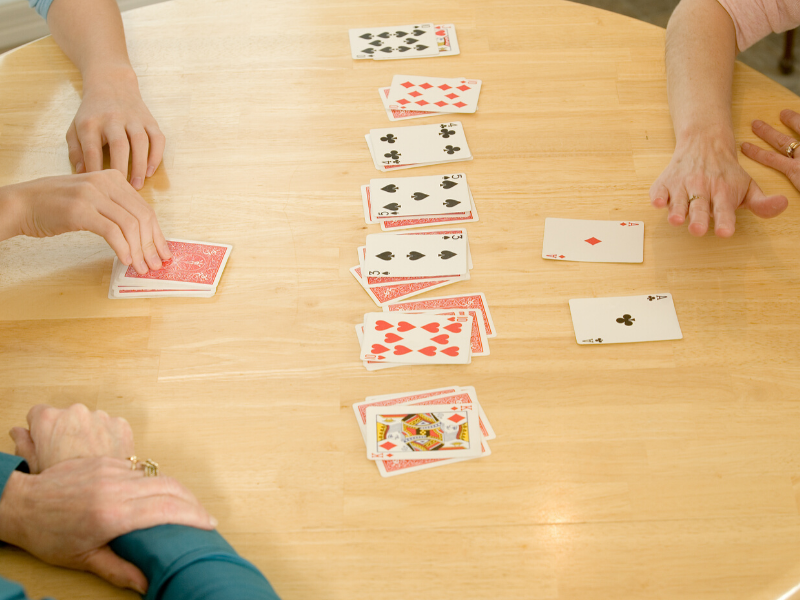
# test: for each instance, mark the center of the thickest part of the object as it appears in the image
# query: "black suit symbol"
(368, 50)
(410, 40)
(393, 206)
(366, 36)
(451, 149)
(414, 255)
(385, 255)
(447, 184)
(389, 138)
(445, 132)
(626, 319)
(391, 188)
(450, 203)
(421, 47)
(394, 155)
(445, 254)
(418, 196)
(417, 32)
(385, 35)
(400, 34)
(376, 43)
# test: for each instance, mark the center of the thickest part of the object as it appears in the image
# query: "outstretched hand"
(780, 160)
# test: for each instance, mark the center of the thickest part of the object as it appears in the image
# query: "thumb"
(25, 447)
(763, 206)
(107, 565)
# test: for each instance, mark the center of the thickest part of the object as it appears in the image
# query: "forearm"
(9, 213)
(701, 51)
(90, 33)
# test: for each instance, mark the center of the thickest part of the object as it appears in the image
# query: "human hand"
(710, 172)
(56, 435)
(103, 203)
(67, 515)
(113, 113)
(779, 161)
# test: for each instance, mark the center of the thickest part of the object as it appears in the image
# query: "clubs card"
(415, 196)
(593, 241)
(626, 319)
(400, 114)
(417, 338)
(449, 95)
(475, 302)
(431, 431)
(409, 255)
(403, 41)
(420, 144)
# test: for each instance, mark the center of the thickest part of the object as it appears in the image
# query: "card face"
(450, 95)
(193, 265)
(593, 241)
(465, 301)
(432, 431)
(403, 255)
(392, 224)
(625, 319)
(414, 196)
(447, 39)
(417, 338)
(402, 41)
(401, 114)
(437, 142)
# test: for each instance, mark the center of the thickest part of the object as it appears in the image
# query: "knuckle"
(140, 137)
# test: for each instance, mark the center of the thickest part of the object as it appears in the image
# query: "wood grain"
(644, 471)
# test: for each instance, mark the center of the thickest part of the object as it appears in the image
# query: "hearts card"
(415, 196)
(626, 319)
(447, 39)
(593, 241)
(463, 301)
(402, 41)
(417, 338)
(449, 95)
(409, 255)
(430, 431)
(420, 144)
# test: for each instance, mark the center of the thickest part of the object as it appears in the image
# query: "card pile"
(395, 266)
(593, 241)
(454, 308)
(193, 271)
(403, 41)
(413, 431)
(414, 96)
(396, 148)
(403, 203)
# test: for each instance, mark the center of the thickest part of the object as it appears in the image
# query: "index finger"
(35, 412)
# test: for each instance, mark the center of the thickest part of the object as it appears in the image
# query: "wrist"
(119, 74)
(12, 507)
(708, 138)
(10, 212)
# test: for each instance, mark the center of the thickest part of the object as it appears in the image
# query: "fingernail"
(143, 267)
(757, 122)
(137, 183)
(745, 145)
(213, 522)
(150, 170)
(79, 167)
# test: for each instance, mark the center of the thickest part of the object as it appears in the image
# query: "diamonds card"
(442, 94)
(625, 319)
(404, 255)
(593, 241)
(438, 142)
(403, 41)
(432, 431)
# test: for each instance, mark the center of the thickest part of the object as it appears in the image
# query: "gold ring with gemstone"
(150, 467)
(790, 150)
(694, 197)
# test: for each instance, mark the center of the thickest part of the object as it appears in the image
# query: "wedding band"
(790, 150)
(150, 467)
(691, 198)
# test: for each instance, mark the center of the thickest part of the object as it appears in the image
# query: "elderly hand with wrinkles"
(787, 158)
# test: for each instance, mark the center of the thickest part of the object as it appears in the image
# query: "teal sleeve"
(183, 563)
(41, 6)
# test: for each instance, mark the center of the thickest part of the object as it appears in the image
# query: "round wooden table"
(644, 471)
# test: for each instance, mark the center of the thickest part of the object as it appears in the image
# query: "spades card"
(593, 241)
(417, 338)
(399, 255)
(429, 431)
(442, 142)
(412, 196)
(442, 94)
(626, 319)
(403, 41)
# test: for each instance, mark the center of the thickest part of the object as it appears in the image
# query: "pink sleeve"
(755, 19)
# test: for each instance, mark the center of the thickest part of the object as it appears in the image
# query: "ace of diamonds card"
(593, 241)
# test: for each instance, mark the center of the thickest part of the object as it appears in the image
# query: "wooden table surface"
(667, 470)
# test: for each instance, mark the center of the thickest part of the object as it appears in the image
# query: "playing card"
(409, 255)
(383, 281)
(447, 39)
(402, 114)
(419, 144)
(430, 431)
(449, 95)
(392, 224)
(464, 301)
(626, 319)
(593, 241)
(415, 196)
(194, 265)
(417, 338)
(403, 41)
(394, 292)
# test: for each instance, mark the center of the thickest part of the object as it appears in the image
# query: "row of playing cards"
(403, 203)
(396, 148)
(403, 41)
(420, 430)
(193, 271)
(426, 324)
(413, 96)
(383, 289)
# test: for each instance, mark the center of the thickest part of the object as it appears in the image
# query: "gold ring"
(790, 150)
(694, 197)
(150, 467)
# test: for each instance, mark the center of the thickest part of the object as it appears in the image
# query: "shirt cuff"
(41, 6)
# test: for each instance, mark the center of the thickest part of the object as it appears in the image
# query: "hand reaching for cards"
(113, 113)
(56, 435)
(103, 203)
(779, 161)
(68, 514)
(710, 171)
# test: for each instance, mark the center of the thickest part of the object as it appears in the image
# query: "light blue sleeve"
(41, 6)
